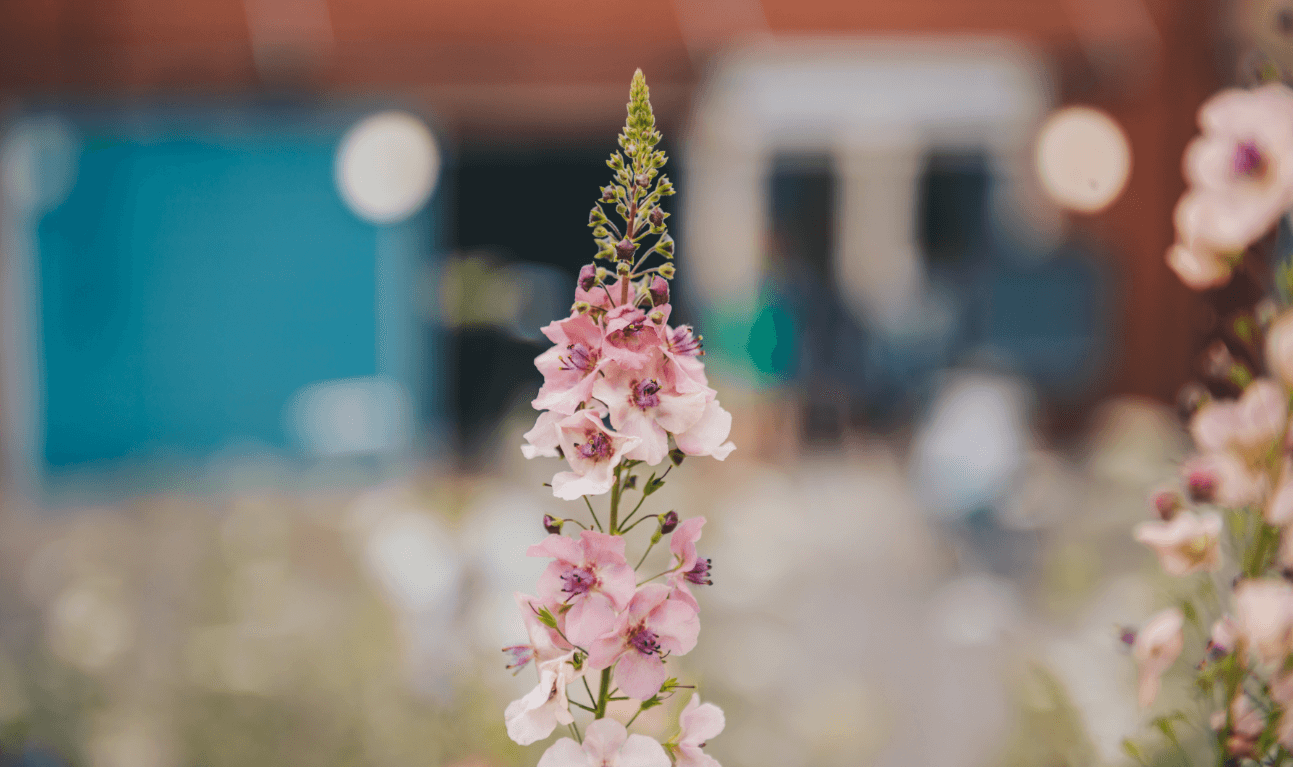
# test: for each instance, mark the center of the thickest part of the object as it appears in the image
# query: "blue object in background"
(194, 280)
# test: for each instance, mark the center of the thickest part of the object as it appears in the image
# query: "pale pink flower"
(1240, 169)
(682, 347)
(1156, 647)
(708, 436)
(1199, 268)
(645, 403)
(1279, 348)
(689, 569)
(606, 744)
(534, 716)
(1224, 635)
(593, 451)
(631, 337)
(1264, 617)
(653, 625)
(1249, 426)
(1282, 693)
(1187, 544)
(569, 368)
(592, 576)
(698, 723)
(1279, 508)
(1224, 479)
(545, 643)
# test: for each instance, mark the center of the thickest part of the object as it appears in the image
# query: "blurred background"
(271, 278)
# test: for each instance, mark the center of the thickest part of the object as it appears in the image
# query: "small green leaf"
(1133, 751)
(546, 617)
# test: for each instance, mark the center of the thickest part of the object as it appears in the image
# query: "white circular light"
(387, 166)
(1083, 158)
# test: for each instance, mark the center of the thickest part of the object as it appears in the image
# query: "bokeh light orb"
(387, 166)
(1083, 158)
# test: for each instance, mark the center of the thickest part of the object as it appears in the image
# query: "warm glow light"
(1083, 158)
(387, 166)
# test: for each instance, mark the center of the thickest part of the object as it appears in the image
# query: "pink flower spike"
(1156, 647)
(698, 724)
(593, 452)
(708, 436)
(592, 576)
(606, 744)
(644, 403)
(630, 337)
(652, 625)
(1190, 543)
(569, 368)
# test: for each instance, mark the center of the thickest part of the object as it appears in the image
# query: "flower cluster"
(622, 389)
(1225, 526)
(1240, 172)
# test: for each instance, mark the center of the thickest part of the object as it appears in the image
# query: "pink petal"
(647, 599)
(639, 676)
(601, 549)
(543, 439)
(683, 542)
(590, 617)
(619, 583)
(676, 625)
(602, 740)
(564, 753)
(604, 651)
(700, 723)
(641, 751)
(707, 436)
(559, 547)
(679, 412)
(568, 485)
(682, 592)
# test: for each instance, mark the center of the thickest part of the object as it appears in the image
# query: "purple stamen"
(597, 448)
(699, 574)
(681, 341)
(521, 654)
(644, 640)
(646, 394)
(579, 357)
(1249, 161)
(577, 581)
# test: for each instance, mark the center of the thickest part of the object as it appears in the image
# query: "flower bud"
(667, 271)
(656, 217)
(668, 521)
(1167, 503)
(624, 249)
(552, 524)
(1202, 486)
(587, 277)
(656, 317)
(659, 291)
(622, 269)
(641, 180)
(596, 216)
(676, 456)
(608, 194)
(602, 274)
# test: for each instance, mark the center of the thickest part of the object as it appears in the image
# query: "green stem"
(644, 556)
(615, 503)
(603, 695)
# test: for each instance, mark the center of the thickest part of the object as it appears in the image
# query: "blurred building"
(859, 210)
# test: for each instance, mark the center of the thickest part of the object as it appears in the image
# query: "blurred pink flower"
(1279, 508)
(645, 403)
(592, 576)
(534, 716)
(1249, 426)
(1224, 479)
(606, 744)
(653, 624)
(1264, 617)
(1199, 268)
(698, 723)
(1247, 723)
(1224, 635)
(570, 367)
(1189, 543)
(1156, 647)
(689, 568)
(1241, 167)
(593, 452)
